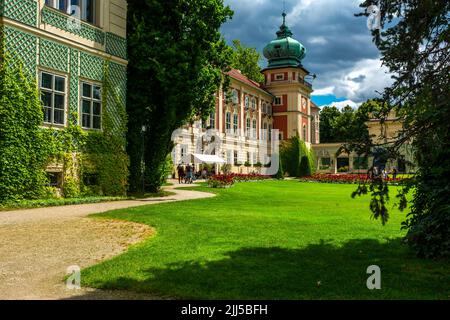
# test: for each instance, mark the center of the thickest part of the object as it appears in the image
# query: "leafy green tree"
(328, 116)
(247, 60)
(22, 146)
(415, 47)
(177, 61)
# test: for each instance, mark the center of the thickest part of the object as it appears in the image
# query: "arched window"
(269, 109)
(247, 102)
(264, 108)
(253, 104)
(248, 127)
(254, 128)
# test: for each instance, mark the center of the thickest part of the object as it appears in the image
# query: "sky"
(339, 45)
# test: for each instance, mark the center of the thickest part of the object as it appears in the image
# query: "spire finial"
(284, 13)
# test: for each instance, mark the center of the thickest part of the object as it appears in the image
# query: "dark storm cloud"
(336, 40)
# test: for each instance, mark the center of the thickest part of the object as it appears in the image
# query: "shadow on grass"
(318, 271)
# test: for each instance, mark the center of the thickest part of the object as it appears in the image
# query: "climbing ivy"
(297, 159)
(26, 148)
(22, 145)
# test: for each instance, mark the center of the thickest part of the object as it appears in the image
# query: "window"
(53, 97)
(269, 109)
(228, 122)
(264, 133)
(254, 128)
(91, 106)
(55, 179)
(236, 157)
(278, 101)
(270, 132)
(264, 108)
(247, 102)
(212, 120)
(305, 138)
(235, 123)
(253, 104)
(248, 127)
(234, 96)
(87, 8)
(279, 77)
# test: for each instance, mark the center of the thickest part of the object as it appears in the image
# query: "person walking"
(188, 174)
(181, 174)
(394, 173)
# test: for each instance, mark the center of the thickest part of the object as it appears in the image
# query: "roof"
(237, 75)
(314, 106)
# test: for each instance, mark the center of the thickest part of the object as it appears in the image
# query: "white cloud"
(341, 104)
(318, 40)
(324, 91)
(363, 80)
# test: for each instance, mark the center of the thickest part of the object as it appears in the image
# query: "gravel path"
(38, 245)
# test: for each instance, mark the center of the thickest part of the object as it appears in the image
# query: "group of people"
(375, 172)
(187, 174)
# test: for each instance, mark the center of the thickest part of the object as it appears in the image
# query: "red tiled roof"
(236, 74)
(314, 106)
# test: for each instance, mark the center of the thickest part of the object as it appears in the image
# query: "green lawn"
(270, 240)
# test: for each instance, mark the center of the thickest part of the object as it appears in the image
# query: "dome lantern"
(284, 51)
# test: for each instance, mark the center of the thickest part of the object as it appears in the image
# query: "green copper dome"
(284, 51)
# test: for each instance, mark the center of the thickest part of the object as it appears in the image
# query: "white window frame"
(254, 127)
(253, 104)
(212, 120)
(235, 123)
(92, 100)
(228, 122)
(278, 98)
(82, 5)
(54, 92)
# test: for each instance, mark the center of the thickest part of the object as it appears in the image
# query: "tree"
(177, 62)
(348, 125)
(328, 116)
(22, 174)
(247, 60)
(415, 48)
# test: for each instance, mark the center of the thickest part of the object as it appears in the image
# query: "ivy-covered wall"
(99, 154)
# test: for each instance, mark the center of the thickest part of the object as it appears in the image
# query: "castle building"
(247, 113)
(72, 49)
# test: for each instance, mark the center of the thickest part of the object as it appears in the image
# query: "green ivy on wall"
(100, 153)
(22, 172)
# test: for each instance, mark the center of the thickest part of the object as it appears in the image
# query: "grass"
(270, 240)
(41, 203)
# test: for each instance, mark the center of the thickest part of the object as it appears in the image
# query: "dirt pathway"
(38, 245)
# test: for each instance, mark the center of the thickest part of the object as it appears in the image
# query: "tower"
(285, 79)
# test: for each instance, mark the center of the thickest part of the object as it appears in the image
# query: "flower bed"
(227, 180)
(343, 178)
